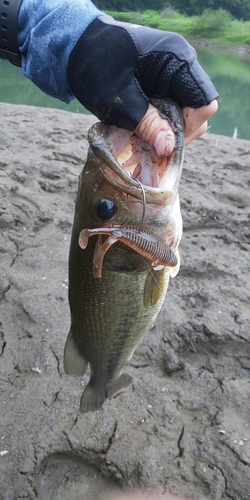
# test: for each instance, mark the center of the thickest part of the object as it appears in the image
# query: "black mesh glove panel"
(116, 67)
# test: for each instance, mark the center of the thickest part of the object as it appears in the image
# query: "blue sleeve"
(47, 32)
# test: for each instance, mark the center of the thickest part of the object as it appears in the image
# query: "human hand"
(116, 67)
(159, 134)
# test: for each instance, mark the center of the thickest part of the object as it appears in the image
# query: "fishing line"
(140, 228)
(150, 269)
(143, 202)
(185, 333)
(195, 350)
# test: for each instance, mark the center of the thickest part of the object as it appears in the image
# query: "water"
(229, 71)
(16, 89)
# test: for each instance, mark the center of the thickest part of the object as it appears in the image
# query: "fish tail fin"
(93, 399)
(74, 363)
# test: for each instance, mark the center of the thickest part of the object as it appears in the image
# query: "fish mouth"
(126, 159)
(132, 166)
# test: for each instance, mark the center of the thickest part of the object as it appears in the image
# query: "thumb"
(157, 132)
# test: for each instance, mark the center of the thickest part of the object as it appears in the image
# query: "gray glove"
(116, 67)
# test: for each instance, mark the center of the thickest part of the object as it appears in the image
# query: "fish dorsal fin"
(74, 362)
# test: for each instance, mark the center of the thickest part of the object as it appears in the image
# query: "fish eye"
(106, 209)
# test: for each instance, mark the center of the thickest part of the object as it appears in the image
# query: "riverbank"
(184, 423)
(213, 29)
(241, 50)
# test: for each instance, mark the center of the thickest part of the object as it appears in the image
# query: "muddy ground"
(184, 424)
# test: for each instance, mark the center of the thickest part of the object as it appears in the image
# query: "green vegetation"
(239, 9)
(225, 22)
(216, 25)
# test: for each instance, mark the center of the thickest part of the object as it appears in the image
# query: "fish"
(124, 248)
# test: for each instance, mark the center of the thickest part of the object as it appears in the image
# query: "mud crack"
(2, 348)
(237, 455)
(68, 441)
(180, 447)
(57, 362)
(113, 438)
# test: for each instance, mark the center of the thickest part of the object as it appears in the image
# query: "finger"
(196, 119)
(157, 132)
(198, 133)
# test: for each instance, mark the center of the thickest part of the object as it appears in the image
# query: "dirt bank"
(200, 42)
(184, 425)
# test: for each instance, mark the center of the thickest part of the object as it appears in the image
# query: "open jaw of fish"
(147, 182)
(128, 200)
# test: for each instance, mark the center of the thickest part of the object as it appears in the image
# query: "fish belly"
(109, 317)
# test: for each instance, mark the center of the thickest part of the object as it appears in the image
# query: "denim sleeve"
(47, 33)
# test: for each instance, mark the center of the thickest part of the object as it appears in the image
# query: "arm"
(70, 49)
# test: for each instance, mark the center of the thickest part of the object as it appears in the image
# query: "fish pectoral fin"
(93, 399)
(74, 363)
(155, 286)
(174, 270)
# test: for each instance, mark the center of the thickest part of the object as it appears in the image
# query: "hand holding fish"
(158, 133)
(112, 68)
(142, 63)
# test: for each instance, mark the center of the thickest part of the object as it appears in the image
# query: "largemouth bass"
(124, 247)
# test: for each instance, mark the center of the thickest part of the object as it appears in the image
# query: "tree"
(239, 9)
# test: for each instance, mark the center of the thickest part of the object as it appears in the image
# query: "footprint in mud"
(70, 478)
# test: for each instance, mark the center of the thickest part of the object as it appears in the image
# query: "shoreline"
(241, 50)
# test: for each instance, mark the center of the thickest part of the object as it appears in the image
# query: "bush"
(137, 16)
(169, 13)
(128, 17)
(211, 21)
(151, 18)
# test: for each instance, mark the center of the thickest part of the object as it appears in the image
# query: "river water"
(229, 71)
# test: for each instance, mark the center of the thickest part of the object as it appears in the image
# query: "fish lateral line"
(155, 250)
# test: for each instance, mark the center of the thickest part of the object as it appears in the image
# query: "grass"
(216, 26)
